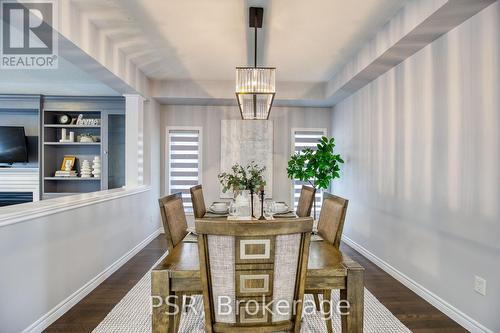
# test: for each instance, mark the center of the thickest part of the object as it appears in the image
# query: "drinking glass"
(269, 208)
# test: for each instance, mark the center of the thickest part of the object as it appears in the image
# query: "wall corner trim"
(65, 305)
(461, 318)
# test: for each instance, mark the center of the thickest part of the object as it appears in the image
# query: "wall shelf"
(71, 126)
(72, 143)
(72, 179)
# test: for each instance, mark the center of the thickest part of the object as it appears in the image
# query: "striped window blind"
(184, 163)
(306, 138)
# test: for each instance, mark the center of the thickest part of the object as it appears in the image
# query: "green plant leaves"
(318, 167)
(243, 178)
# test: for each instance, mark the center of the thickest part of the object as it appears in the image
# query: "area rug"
(132, 315)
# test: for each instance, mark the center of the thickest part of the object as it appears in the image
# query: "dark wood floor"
(418, 315)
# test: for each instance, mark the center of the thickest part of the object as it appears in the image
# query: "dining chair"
(306, 199)
(248, 268)
(198, 201)
(330, 227)
(173, 218)
(332, 218)
(175, 226)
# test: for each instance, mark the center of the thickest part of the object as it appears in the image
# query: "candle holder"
(262, 217)
(251, 201)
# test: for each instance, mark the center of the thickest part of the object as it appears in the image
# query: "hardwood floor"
(418, 315)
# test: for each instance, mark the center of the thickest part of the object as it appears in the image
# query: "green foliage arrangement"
(241, 178)
(317, 167)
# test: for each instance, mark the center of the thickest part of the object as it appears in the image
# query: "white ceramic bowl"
(219, 206)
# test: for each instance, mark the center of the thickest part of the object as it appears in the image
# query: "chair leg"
(178, 314)
(316, 302)
(327, 299)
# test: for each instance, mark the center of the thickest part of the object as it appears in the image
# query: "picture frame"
(68, 158)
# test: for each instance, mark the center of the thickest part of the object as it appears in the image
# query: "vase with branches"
(316, 167)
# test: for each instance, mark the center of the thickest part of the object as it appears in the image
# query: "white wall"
(209, 117)
(46, 260)
(422, 153)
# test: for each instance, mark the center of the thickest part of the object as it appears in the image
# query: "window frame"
(292, 151)
(167, 154)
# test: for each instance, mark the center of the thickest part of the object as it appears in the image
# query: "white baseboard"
(61, 308)
(443, 306)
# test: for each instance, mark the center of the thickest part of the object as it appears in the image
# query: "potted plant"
(243, 181)
(316, 167)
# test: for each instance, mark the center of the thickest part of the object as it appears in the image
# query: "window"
(306, 138)
(184, 162)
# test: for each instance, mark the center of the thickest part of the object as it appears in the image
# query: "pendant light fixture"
(255, 86)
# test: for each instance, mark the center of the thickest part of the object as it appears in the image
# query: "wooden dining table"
(328, 268)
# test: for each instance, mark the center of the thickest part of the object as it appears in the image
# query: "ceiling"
(308, 41)
(67, 79)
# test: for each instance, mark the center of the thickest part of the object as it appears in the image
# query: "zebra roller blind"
(184, 163)
(306, 138)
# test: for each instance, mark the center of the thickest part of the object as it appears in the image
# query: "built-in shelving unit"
(55, 151)
(38, 114)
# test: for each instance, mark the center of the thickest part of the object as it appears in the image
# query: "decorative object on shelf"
(64, 119)
(255, 86)
(96, 167)
(88, 122)
(317, 167)
(68, 163)
(64, 136)
(85, 138)
(85, 169)
(66, 174)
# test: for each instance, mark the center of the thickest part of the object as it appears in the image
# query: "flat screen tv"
(13, 148)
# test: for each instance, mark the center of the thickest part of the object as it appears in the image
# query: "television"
(13, 148)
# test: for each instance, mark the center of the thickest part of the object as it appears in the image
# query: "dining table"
(328, 269)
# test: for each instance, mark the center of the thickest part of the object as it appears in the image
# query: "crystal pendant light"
(255, 86)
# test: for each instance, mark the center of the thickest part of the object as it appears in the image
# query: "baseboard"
(61, 308)
(443, 306)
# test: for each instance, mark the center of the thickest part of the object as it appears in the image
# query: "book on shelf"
(61, 173)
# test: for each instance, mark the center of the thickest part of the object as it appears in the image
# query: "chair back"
(173, 218)
(198, 201)
(332, 218)
(306, 199)
(248, 268)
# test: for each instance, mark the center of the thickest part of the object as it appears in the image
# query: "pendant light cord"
(255, 48)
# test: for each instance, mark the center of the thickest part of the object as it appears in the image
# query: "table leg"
(354, 294)
(160, 291)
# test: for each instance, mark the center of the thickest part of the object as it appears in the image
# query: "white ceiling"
(67, 79)
(307, 40)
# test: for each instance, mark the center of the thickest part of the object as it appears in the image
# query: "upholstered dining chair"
(332, 218)
(198, 201)
(330, 227)
(173, 218)
(248, 268)
(306, 199)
